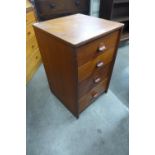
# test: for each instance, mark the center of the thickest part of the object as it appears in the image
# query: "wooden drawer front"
(29, 32)
(31, 46)
(94, 79)
(77, 5)
(91, 50)
(85, 100)
(30, 17)
(51, 8)
(32, 63)
(87, 69)
(48, 7)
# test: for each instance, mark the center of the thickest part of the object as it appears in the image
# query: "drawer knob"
(102, 48)
(52, 5)
(97, 80)
(77, 2)
(94, 95)
(29, 33)
(100, 64)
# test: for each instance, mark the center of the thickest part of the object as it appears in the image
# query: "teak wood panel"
(78, 29)
(86, 70)
(90, 50)
(29, 32)
(31, 46)
(85, 100)
(60, 67)
(30, 17)
(94, 79)
(32, 64)
(33, 57)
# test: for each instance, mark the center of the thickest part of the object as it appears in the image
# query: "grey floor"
(102, 128)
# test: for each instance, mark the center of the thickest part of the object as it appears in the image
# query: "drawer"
(31, 46)
(98, 63)
(78, 5)
(85, 100)
(94, 79)
(51, 7)
(30, 17)
(32, 64)
(48, 7)
(29, 32)
(97, 47)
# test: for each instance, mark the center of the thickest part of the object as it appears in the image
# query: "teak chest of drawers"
(78, 53)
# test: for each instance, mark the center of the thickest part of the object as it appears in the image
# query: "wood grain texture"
(78, 66)
(60, 66)
(29, 32)
(33, 57)
(78, 29)
(94, 79)
(30, 17)
(89, 97)
(90, 50)
(31, 46)
(86, 70)
(32, 64)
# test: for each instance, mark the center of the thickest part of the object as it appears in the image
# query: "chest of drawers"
(78, 53)
(33, 57)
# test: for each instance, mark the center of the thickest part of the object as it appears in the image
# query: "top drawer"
(97, 47)
(47, 7)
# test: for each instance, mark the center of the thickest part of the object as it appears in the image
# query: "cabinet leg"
(106, 90)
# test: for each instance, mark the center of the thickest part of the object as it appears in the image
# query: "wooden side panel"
(30, 17)
(61, 68)
(32, 64)
(33, 57)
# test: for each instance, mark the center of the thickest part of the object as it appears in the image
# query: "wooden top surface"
(78, 29)
(29, 6)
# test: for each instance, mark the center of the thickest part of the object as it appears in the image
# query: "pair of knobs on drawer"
(95, 94)
(101, 49)
(99, 64)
